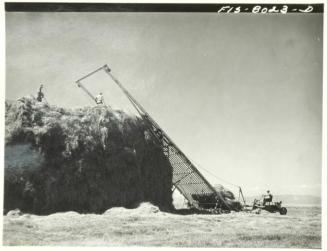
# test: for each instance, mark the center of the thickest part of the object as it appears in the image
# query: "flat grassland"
(146, 226)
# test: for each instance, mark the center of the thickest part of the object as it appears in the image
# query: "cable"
(199, 166)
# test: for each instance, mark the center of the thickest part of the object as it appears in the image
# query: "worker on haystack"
(267, 198)
(40, 94)
(99, 100)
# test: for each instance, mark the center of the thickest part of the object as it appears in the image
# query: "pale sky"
(241, 95)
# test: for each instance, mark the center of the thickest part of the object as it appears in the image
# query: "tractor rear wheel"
(283, 211)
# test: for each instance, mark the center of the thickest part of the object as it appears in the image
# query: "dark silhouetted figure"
(40, 94)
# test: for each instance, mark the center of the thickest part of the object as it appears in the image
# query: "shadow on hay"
(86, 160)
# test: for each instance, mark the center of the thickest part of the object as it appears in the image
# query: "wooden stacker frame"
(186, 177)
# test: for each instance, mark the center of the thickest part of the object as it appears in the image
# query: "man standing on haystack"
(99, 100)
(40, 94)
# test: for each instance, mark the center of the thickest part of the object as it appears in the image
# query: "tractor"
(270, 206)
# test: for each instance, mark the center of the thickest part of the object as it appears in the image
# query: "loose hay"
(209, 201)
(85, 160)
(144, 208)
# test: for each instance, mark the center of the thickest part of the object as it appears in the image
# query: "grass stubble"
(147, 226)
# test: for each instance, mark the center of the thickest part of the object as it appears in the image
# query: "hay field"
(147, 226)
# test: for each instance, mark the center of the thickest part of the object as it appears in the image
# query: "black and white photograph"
(189, 125)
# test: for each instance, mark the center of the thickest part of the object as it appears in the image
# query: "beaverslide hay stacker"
(187, 179)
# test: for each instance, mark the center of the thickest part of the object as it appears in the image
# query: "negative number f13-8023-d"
(258, 9)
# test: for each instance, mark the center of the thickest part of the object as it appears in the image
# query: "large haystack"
(86, 160)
